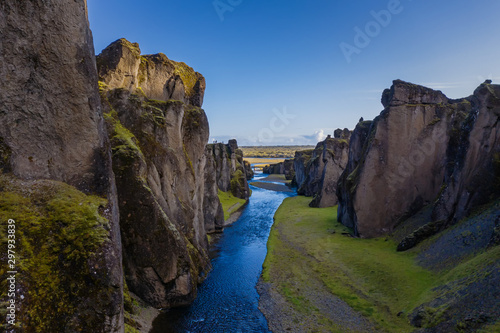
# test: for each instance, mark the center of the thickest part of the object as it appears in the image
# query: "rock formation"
(317, 171)
(54, 151)
(212, 207)
(282, 168)
(424, 149)
(232, 172)
(159, 161)
(334, 157)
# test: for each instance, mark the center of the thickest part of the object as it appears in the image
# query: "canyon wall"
(56, 180)
(166, 196)
(424, 149)
(232, 172)
(317, 171)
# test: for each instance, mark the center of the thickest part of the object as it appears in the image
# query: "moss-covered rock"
(60, 234)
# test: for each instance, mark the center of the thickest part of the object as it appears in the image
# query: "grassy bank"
(230, 204)
(307, 247)
(369, 275)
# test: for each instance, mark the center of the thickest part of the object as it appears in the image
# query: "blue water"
(228, 301)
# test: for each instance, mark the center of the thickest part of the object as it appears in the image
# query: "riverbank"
(274, 182)
(317, 277)
(227, 300)
(232, 207)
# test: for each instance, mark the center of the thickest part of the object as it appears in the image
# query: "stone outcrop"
(345, 183)
(282, 168)
(54, 150)
(334, 157)
(212, 207)
(317, 171)
(158, 133)
(232, 172)
(424, 149)
(155, 76)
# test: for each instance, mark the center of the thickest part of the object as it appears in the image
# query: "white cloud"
(320, 135)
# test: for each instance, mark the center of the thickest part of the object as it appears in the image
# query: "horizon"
(290, 73)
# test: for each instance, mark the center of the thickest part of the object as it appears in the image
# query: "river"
(227, 300)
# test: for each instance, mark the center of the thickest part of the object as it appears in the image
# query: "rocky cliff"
(424, 150)
(317, 171)
(166, 191)
(232, 172)
(56, 181)
(282, 168)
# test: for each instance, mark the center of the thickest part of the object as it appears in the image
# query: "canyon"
(105, 167)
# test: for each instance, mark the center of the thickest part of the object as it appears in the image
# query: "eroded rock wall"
(54, 150)
(317, 171)
(422, 147)
(158, 133)
(232, 172)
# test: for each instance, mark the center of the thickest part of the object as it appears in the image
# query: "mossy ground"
(58, 231)
(374, 279)
(230, 203)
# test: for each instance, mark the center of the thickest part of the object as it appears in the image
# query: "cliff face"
(232, 172)
(51, 133)
(159, 160)
(283, 168)
(334, 157)
(317, 171)
(122, 65)
(423, 147)
(345, 183)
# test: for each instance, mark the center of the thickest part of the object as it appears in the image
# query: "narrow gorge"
(120, 211)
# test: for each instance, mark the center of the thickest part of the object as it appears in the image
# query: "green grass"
(369, 275)
(230, 203)
(272, 151)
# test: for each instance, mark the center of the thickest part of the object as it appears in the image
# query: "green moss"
(192, 117)
(5, 154)
(124, 143)
(103, 87)
(58, 231)
(369, 275)
(188, 75)
(434, 121)
(230, 203)
(237, 181)
(130, 329)
(186, 155)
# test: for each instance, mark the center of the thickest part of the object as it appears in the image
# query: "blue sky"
(292, 71)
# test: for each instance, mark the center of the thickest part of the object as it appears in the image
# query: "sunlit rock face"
(158, 133)
(423, 149)
(54, 149)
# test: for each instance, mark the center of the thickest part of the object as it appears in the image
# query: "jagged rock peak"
(121, 65)
(423, 150)
(342, 134)
(402, 93)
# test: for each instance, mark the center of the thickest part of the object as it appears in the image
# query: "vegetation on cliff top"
(272, 151)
